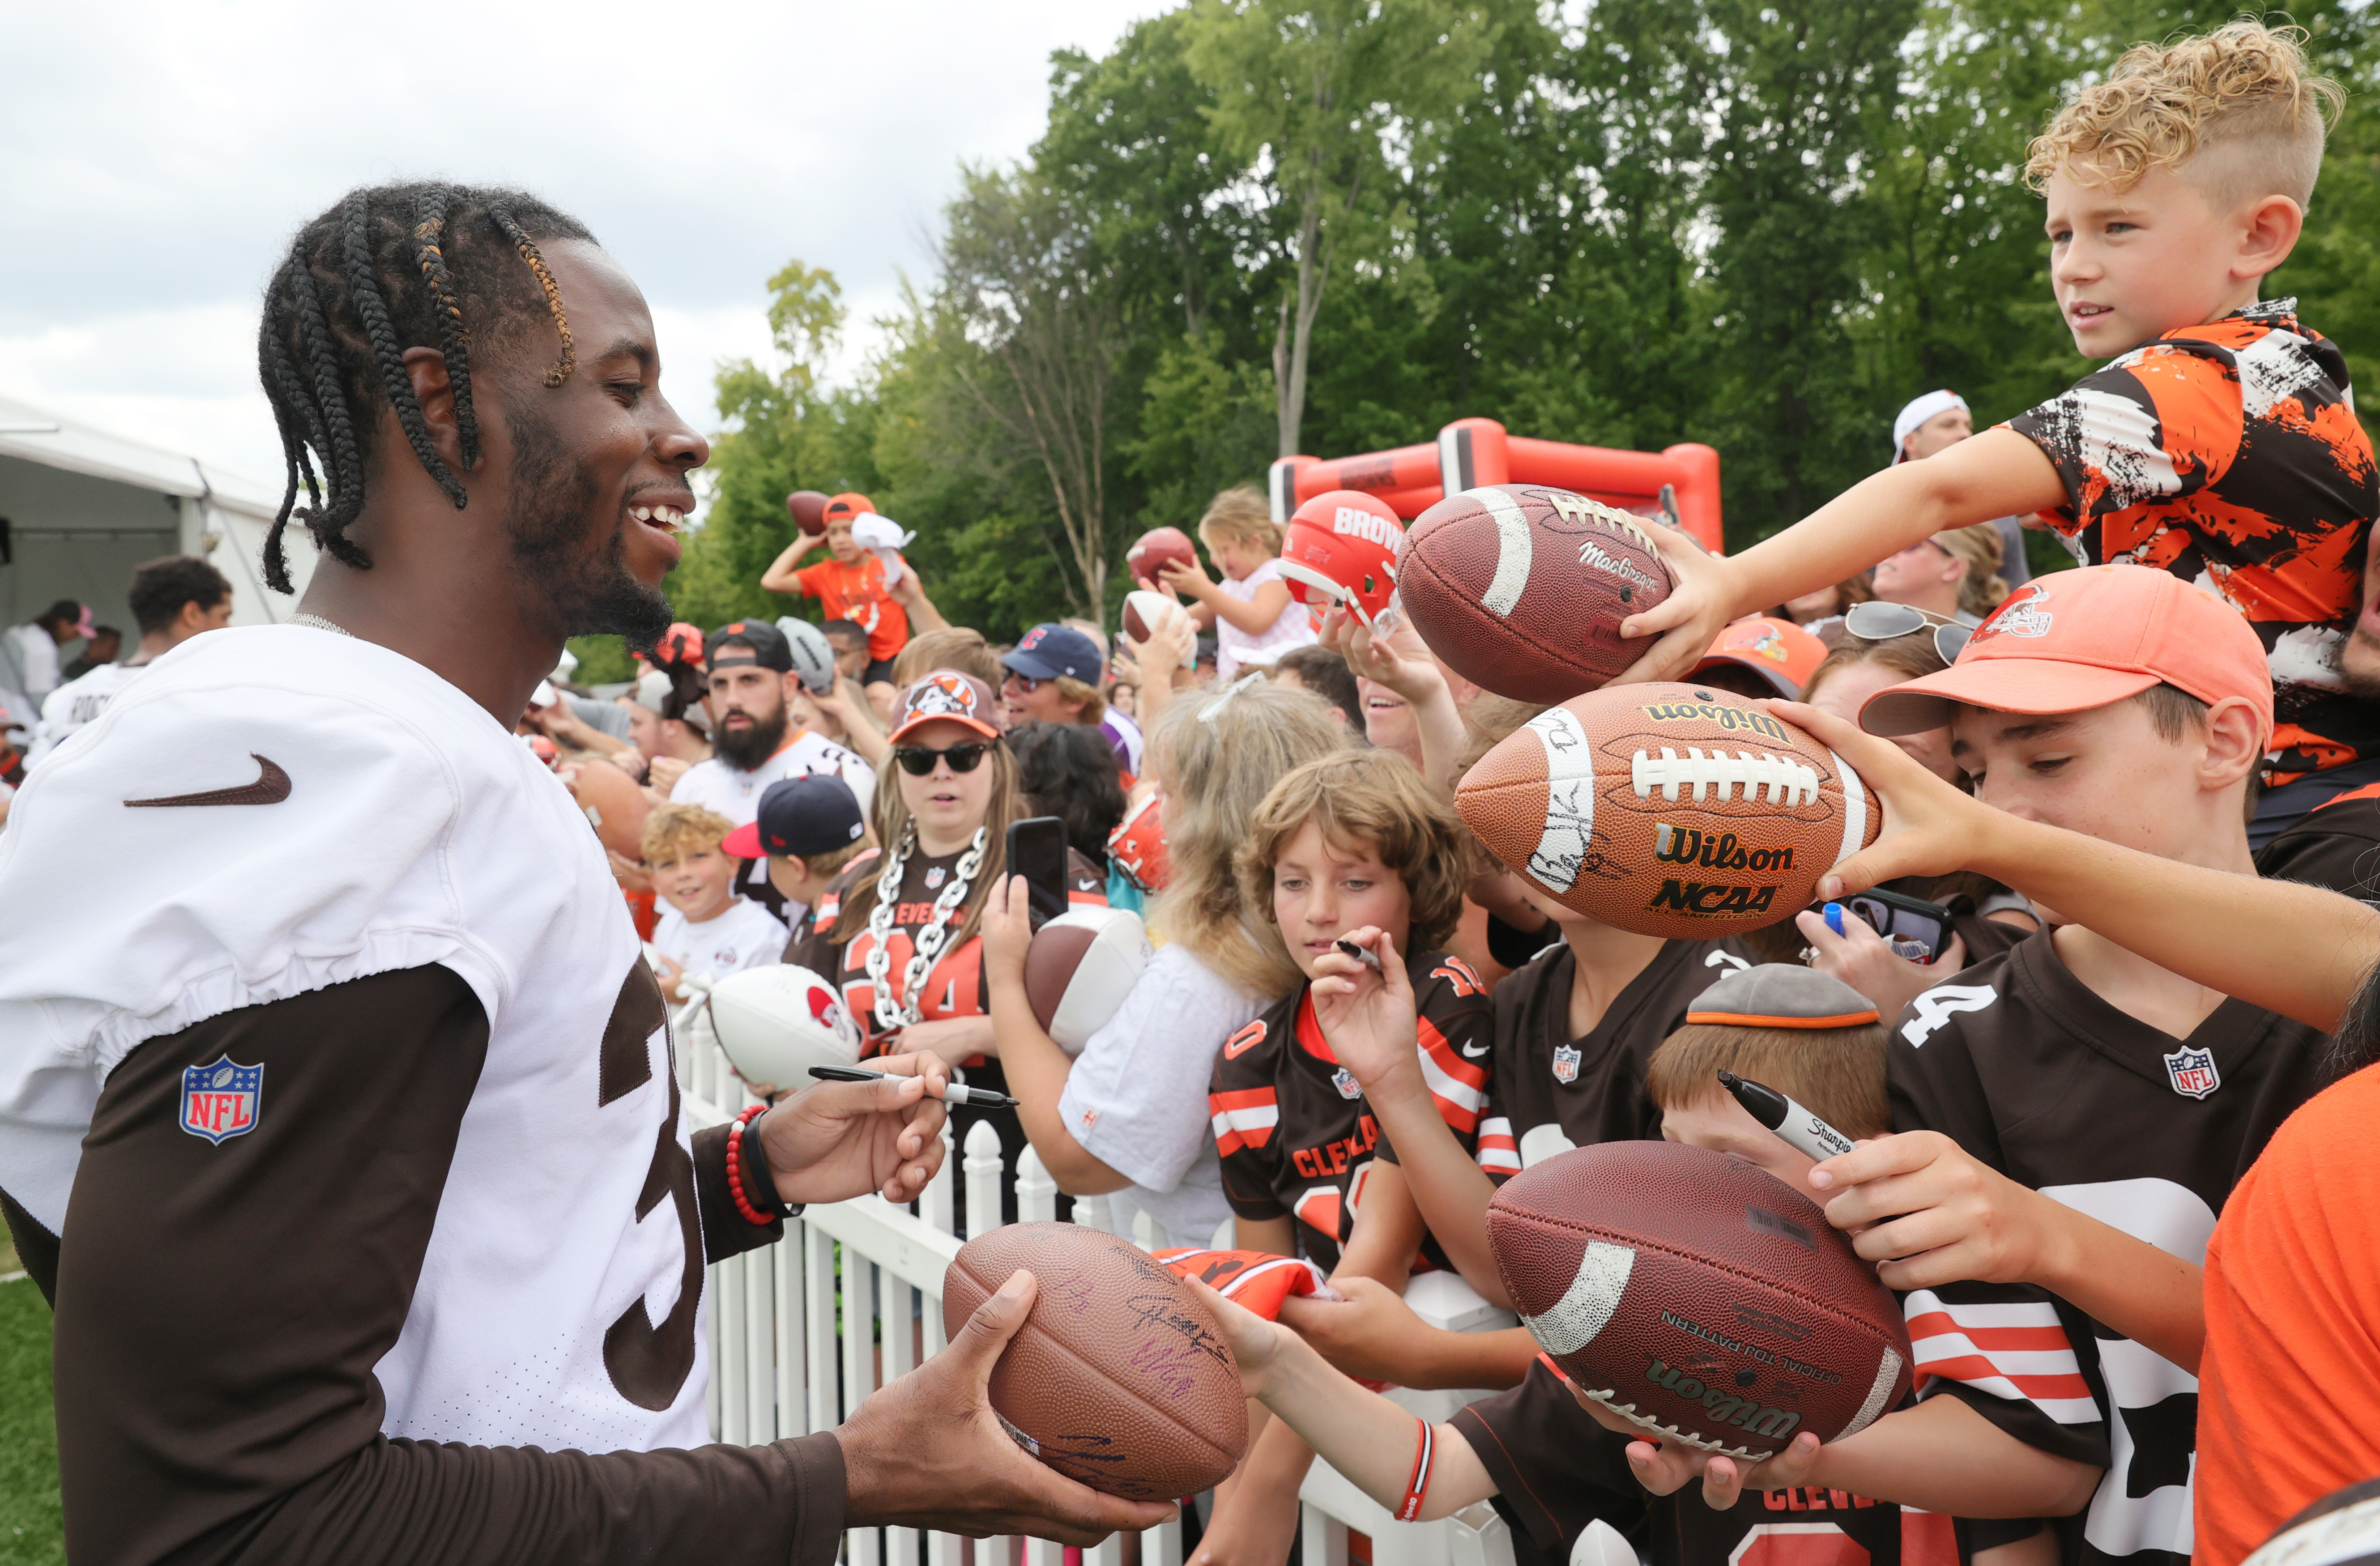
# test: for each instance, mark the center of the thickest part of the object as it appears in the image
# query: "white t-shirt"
(29, 672)
(1235, 647)
(1136, 1097)
(409, 828)
(76, 703)
(742, 935)
(715, 786)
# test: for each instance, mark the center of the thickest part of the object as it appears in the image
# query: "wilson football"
(1521, 587)
(1080, 967)
(1154, 548)
(1700, 1297)
(1675, 810)
(1119, 1376)
(807, 508)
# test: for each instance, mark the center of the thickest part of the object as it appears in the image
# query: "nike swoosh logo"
(1471, 1054)
(271, 787)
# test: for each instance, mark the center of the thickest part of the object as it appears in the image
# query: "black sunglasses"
(1880, 621)
(917, 760)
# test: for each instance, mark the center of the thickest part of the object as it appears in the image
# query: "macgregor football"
(1521, 587)
(1701, 1298)
(1676, 810)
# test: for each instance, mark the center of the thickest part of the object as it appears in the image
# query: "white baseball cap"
(1919, 409)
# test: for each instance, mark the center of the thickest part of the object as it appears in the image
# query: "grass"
(29, 1526)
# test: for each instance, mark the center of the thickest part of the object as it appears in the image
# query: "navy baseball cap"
(801, 816)
(1051, 652)
(749, 641)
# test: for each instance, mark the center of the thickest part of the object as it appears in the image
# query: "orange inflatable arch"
(1678, 485)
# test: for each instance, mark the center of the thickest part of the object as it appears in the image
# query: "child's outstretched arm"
(1997, 473)
(2296, 950)
(1360, 1433)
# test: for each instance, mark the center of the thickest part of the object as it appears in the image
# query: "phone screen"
(1907, 923)
(1036, 850)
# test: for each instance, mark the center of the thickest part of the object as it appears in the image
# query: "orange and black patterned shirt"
(2231, 455)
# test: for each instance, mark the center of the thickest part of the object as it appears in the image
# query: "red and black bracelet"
(1417, 1483)
(736, 1166)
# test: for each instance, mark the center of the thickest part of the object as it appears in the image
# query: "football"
(1080, 967)
(616, 806)
(1119, 1377)
(1675, 810)
(1144, 611)
(1700, 1297)
(1521, 587)
(777, 1021)
(1156, 547)
(809, 510)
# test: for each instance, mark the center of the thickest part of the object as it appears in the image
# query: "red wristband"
(735, 1166)
(1417, 1486)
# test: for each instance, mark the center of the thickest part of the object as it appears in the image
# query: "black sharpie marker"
(1802, 1130)
(1361, 954)
(956, 1093)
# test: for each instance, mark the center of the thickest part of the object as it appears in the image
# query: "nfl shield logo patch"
(1344, 1080)
(222, 1099)
(2193, 1072)
(1566, 1064)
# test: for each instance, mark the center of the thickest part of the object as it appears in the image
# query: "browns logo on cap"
(946, 693)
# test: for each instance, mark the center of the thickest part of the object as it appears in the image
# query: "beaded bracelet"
(735, 1166)
(1417, 1486)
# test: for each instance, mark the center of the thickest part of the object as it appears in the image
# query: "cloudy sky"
(160, 154)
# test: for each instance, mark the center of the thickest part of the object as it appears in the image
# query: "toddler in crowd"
(706, 932)
(1254, 618)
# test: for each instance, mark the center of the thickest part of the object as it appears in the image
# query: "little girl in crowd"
(1254, 618)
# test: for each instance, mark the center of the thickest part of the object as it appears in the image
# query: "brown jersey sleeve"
(1556, 1470)
(221, 1307)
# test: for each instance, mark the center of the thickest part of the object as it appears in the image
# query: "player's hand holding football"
(927, 1451)
(837, 1140)
(1666, 1467)
(1709, 593)
(1861, 958)
(1928, 1212)
(1369, 1015)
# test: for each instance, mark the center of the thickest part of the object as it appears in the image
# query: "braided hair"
(392, 267)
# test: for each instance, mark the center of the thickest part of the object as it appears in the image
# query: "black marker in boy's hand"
(1362, 954)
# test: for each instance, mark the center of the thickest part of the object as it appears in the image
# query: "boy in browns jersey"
(1549, 1468)
(2220, 443)
(1349, 841)
(2098, 1107)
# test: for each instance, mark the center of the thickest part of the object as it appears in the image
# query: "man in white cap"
(1937, 421)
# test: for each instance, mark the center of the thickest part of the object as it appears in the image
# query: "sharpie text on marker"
(1802, 1130)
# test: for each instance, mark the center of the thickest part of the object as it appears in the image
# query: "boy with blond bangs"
(1551, 1469)
(706, 930)
(1351, 841)
(2220, 443)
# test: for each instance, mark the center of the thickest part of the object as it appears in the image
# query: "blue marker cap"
(1835, 917)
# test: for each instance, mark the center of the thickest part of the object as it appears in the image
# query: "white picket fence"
(780, 1367)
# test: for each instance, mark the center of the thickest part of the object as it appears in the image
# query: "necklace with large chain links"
(929, 941)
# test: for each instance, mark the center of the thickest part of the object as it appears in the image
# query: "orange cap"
(2086, 638)
(1782, 653)
(845, 506)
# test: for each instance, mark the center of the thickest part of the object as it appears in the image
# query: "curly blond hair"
(1366, 799)
(2238, 105)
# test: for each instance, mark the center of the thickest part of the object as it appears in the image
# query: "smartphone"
(1036, 850)
(1901, 919)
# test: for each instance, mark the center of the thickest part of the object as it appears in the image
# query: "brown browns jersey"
(2030, 1071)
(1556, 1471)
(2229, 455)
(1548, 1092)
(2335, 845)
(1297, 1138)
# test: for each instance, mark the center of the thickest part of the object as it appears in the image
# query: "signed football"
(1697, 1296)
(1521, 587)
(1119, 1376)
(1675, 810)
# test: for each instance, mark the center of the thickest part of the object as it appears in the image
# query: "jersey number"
(650, 1364)
(1939, 1004)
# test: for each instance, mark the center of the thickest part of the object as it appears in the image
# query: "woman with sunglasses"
(1953, 574)
(896, 931)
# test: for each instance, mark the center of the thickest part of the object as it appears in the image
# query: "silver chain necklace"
(316, 623)
(929, 941)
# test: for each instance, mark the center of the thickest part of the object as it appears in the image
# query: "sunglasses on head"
(917, 760)
(1878, 621)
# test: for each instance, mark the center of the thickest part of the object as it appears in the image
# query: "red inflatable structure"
(1678, 485)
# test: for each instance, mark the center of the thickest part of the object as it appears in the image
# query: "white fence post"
(1037, 1194)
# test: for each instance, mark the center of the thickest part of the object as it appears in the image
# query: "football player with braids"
(341, 1127)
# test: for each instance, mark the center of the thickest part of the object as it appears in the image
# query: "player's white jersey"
(735, 794)
(324, 810)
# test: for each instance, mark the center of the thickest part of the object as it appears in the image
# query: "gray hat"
(1782, 995)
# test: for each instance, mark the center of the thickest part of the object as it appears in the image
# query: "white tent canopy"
(81, 507)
